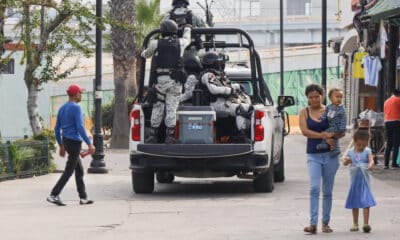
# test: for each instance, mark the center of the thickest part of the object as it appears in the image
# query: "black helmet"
(213, 60)
(192, 64)
(176, 2)
(169, 27)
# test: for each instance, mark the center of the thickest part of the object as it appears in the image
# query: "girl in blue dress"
(360, 195)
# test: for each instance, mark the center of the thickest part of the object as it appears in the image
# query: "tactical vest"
(168, 54)
(207, 96)
(182, 18)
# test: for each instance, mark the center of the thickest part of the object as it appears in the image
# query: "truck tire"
(165, 177)
(279, 175)
(143, 182)
(264, 182)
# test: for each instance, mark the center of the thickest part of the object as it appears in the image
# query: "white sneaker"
(55, 200)
(85, 201)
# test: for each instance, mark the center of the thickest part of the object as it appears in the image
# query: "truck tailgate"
(195, 150)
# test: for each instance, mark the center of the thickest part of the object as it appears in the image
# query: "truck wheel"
(280, 169)
(264, 182)
(143, 182)
(165, 177)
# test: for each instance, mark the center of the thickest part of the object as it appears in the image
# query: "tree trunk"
(33, 110)
(2, 38)
(30, 81)
(120, 130)
(123, 44)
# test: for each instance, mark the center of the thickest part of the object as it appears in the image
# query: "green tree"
(51, 29)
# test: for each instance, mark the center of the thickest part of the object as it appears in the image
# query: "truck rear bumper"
(197, 157)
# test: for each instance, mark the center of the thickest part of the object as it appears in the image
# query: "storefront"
(371, 48)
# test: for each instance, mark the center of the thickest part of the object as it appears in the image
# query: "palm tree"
(124, 48)
(126, 45)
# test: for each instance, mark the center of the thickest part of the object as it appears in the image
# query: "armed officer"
(182, 15)
(226, 98)
(193, 68)
(168, 53)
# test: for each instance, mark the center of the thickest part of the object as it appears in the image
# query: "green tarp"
(384, 9)
(296, 82)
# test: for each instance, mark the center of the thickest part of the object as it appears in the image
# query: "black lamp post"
(324, 45)
(98, 165)
(282, 92)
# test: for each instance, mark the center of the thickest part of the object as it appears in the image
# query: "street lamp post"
(281, 48)
(98, 165)
(324, 50)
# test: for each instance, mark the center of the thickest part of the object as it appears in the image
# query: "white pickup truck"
(204, 148)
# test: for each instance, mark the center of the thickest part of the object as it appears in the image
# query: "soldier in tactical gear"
(168, 53)
(193, 68)
(182, 15)
(227, 99)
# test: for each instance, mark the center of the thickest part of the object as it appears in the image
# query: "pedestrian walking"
(336, 115)
(391, 112)
(70, 132)
(169, 67)
(322, 165)
(361, 163)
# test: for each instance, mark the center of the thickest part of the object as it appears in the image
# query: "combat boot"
(153, 135)
(170, 136)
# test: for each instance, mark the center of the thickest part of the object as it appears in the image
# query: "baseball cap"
(74, 89)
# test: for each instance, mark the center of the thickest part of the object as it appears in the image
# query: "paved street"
(188, 209)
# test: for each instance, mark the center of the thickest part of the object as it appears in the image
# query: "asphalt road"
(195, 209)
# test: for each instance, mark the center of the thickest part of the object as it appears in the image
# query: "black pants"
(73, 148)
(392, 141)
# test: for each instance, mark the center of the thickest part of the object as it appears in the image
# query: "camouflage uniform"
(190, 85)
(195, 20)
(229, 102)
(168, 90)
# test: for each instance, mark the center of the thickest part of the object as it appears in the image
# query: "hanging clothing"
(358, 70)
(383, 40)
(372, 66)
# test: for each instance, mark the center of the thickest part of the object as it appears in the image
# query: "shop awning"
(350, 42)
(384, 9)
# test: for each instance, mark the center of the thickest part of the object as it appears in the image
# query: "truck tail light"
(135, 117)
(258, 127)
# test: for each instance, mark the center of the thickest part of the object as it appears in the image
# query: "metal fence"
(24, 158)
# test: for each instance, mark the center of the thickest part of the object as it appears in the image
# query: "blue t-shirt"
(316, 126)
(70, 123)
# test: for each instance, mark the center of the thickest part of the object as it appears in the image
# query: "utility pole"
(98, 165)
(282, 91)
(324, 45)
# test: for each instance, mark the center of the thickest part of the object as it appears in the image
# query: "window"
(7, 68)
(298, 7)
(255, 8)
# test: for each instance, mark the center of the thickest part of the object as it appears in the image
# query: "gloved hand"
(236, 89)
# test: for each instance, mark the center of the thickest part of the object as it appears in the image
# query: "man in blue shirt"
(70, 132)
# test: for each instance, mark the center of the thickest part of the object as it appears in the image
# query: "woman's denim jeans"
(321, 166)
